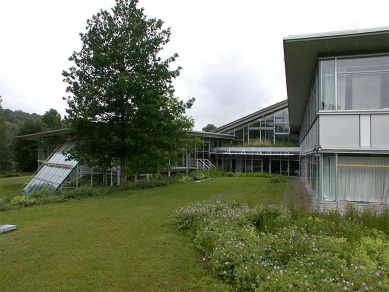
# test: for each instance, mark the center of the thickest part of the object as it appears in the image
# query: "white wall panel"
(364, 131)
(380, 131)
(339, 131)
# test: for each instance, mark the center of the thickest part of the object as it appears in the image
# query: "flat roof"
(301, 53)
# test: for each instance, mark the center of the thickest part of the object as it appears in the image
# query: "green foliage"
(79, 193)
(23, 201)
(209, 128)
(263, 248)
(277, 178)
(52, 120)
(5, 143)
(121, 94)
(216, 172)
(26, 152)
(200, 174)
(18, 117)
(46, 197)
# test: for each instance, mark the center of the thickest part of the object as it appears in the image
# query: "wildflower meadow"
(271, 248)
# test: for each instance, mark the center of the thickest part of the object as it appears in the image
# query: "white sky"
(231, 51)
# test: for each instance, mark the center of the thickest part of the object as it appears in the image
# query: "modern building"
(338, 93)
(259, 142)
(333, 130)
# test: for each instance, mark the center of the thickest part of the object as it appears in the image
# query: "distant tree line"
(20, 155)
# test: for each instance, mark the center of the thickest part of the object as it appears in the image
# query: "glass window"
(327, 69)
(256, 123)
(282, 128)
(255, 135)
(362, 83)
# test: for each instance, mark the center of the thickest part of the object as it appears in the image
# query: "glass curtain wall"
(355, 83)
(270, 129)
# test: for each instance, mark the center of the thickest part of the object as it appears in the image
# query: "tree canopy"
(209, 128)
(25, 153)
(5, 142)
(121, 93)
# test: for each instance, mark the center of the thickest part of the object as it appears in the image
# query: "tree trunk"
(123, 176)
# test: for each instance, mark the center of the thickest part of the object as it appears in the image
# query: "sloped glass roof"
(53, 171)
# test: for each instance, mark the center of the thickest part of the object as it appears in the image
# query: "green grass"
(127, 241)
(10, 186)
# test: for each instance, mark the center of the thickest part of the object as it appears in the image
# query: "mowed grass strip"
(127, 241)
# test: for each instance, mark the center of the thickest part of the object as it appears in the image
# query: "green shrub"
(277, 178)
(23, 201)
(39, 194)
(216, 172)
(5, 203)
(238, 174)
(265, 249)
(230, 174)
(79, 193)
(200, 174)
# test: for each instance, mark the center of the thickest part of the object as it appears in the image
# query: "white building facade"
(338, 92)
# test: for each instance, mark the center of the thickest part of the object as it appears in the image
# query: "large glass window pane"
(328, 84)
(255, 136)
(363, 178)
(363, 83)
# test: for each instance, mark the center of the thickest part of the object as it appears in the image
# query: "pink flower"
(377, 274)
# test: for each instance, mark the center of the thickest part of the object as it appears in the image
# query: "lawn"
(10, 186)
(127, 241)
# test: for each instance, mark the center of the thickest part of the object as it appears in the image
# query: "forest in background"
(18, 155)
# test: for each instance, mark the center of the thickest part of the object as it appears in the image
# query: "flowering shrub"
(264, 249)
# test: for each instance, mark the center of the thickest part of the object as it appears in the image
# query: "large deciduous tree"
(121, 93)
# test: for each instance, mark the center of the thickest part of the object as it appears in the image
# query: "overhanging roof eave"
(302, 52)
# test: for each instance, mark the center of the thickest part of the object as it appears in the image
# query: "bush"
(277, 178)
(5, 204)
(265, 249)
(23, 201)
(200, 174)
(79, 193)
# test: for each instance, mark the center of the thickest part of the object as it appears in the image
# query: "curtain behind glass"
(329, 179)
(359, 179)
(328, 84)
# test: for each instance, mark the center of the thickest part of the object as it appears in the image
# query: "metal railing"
(204, 164)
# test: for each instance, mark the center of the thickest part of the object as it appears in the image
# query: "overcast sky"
(231, 51)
